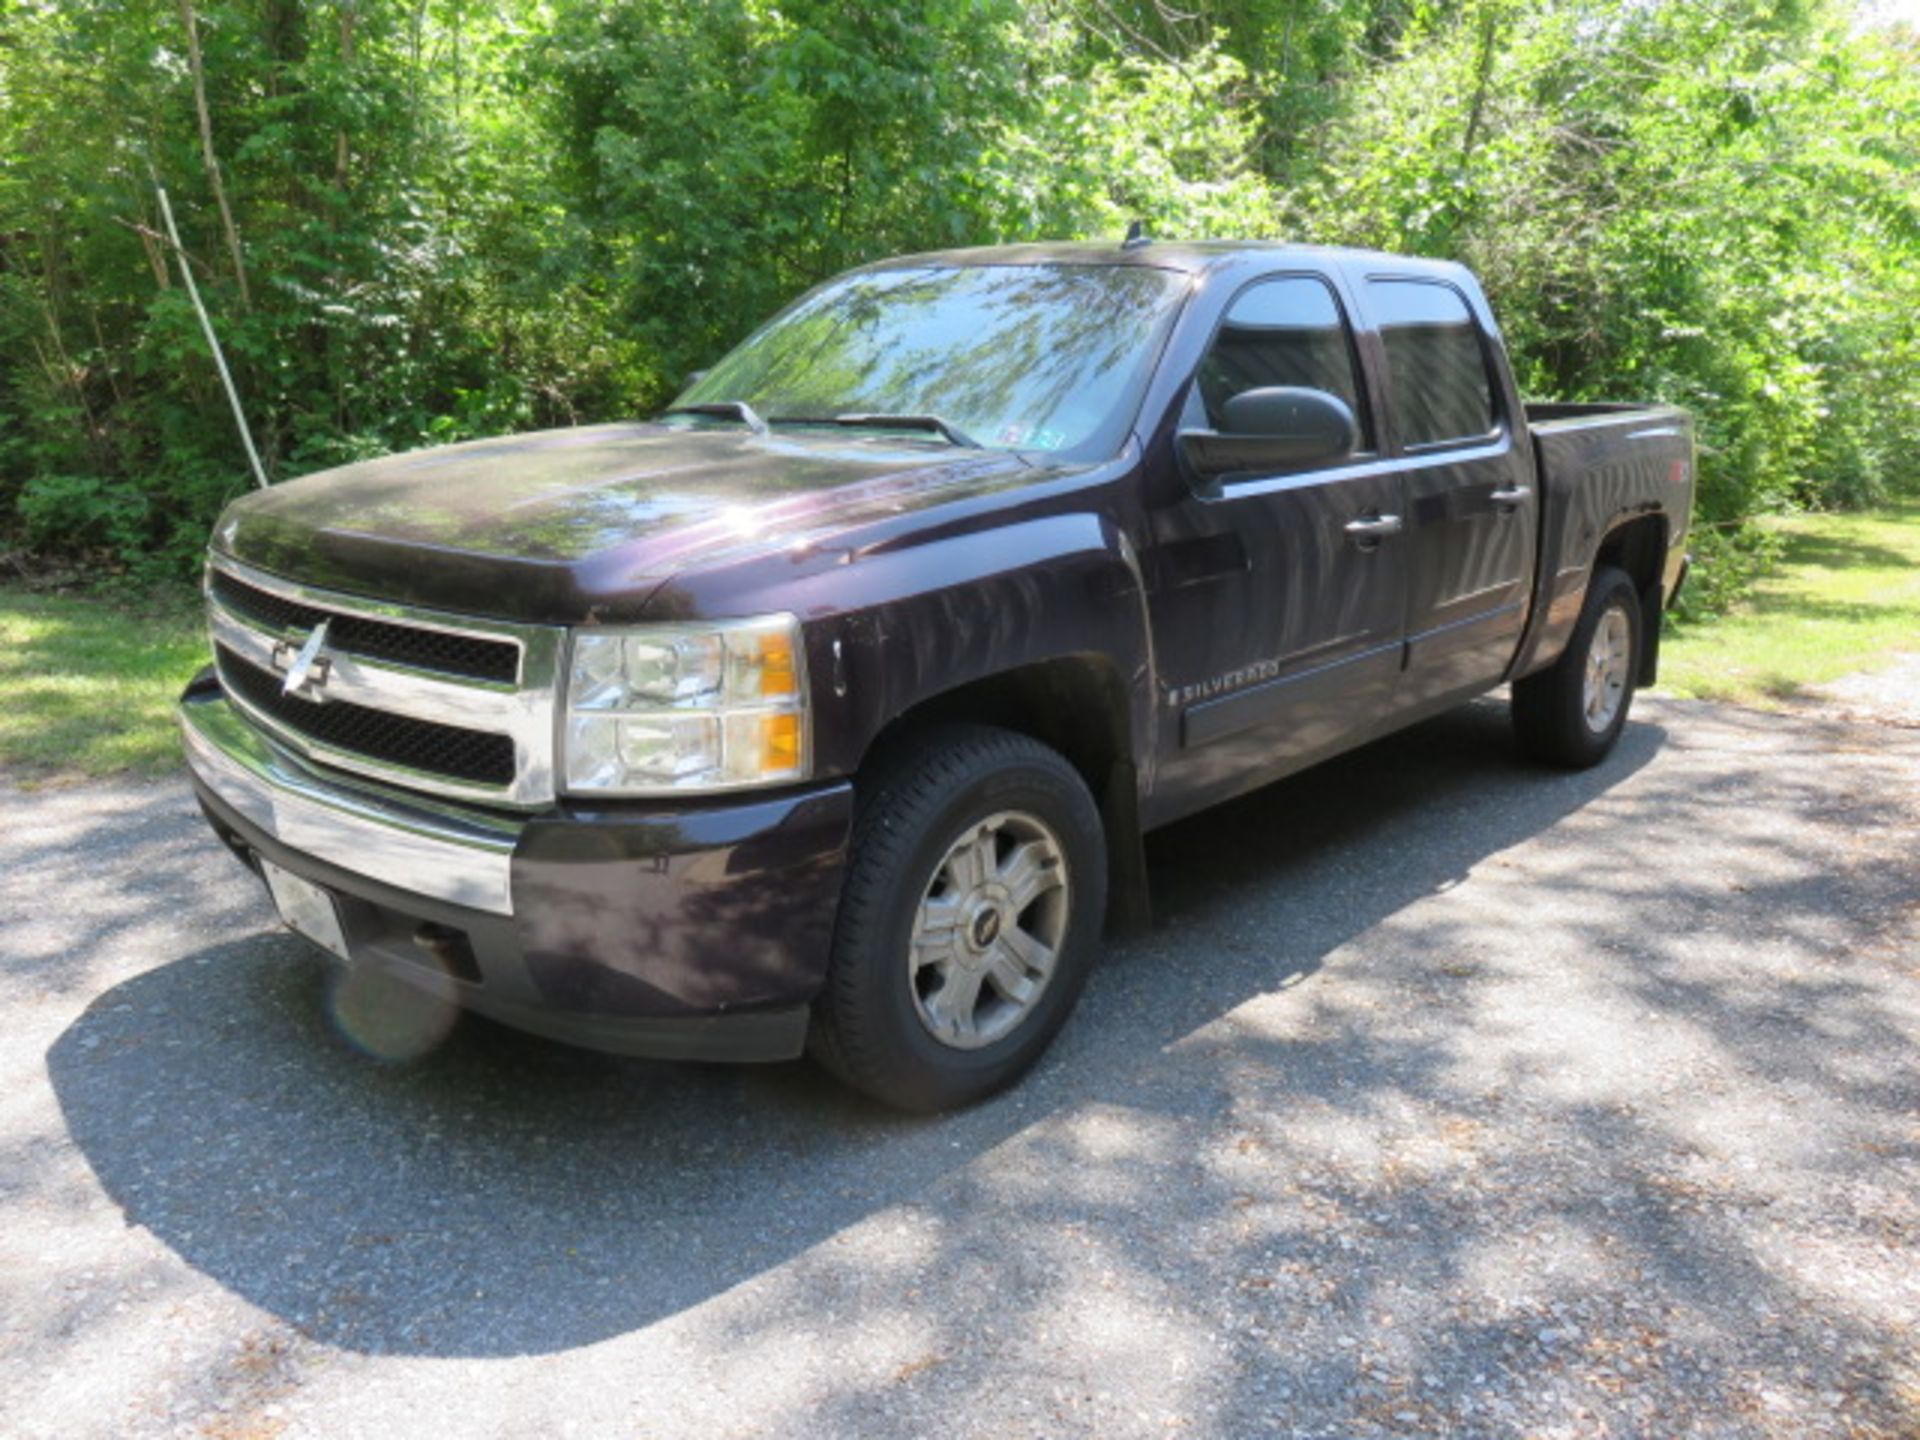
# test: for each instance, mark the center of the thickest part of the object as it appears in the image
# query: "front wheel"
(1572, 712)
(971, 915)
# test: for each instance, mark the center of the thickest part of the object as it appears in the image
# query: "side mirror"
(1269, 430)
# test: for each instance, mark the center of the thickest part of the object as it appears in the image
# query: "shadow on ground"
(1842, 552)
(506, 1196)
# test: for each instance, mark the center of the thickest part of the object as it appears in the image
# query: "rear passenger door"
(1471, 508)
(1278, 597)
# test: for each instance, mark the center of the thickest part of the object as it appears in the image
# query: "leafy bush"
(1726, 560)
(84, 512)
(435, 223)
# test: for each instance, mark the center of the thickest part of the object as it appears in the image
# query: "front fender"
(933, 618)
(893, 627)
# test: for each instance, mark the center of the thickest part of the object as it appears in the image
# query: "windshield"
(1015, 357)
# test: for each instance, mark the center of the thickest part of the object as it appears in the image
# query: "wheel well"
(1076, 704)
(1639, 547)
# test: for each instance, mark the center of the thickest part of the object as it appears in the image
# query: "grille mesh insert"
(466, 655)
(447, 750)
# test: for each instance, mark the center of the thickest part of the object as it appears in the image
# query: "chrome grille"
(467, 655)
(423, 745)
(446, 704)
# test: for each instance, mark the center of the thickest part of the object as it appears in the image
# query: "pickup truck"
(826, 711)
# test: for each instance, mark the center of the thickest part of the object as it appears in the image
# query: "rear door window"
(1284, 331)
(1435, 363)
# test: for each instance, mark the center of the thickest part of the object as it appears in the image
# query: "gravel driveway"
(1448, 1097)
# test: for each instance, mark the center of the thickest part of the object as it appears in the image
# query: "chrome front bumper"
(457, 856)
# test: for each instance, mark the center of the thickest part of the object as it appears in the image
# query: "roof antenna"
(1136, 236)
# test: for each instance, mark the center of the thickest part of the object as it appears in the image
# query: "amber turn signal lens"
(782, 742)
(777, 678)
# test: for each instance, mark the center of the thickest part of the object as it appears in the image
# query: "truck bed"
(1598, 464)
(1558, 414)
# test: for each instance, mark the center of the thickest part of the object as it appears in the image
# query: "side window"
(1435, 364)
(1281, 332)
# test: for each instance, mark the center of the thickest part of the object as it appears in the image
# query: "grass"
(1844, 597)
(87, 683)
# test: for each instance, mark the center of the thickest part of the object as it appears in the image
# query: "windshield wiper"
(724, 410)
(952, 434)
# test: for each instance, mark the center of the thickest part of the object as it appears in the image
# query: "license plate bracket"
(307, 909)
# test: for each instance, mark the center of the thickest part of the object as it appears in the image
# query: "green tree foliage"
(445, 218)
(399, 237)
(1716, 208)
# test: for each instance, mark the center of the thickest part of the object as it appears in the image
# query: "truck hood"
(569, 525)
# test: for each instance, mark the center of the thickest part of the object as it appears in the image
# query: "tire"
(958, 812)
(1556, 715)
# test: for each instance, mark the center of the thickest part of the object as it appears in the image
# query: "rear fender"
(1615, 493)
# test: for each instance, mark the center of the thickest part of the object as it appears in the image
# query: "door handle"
(1510, 498)
(1369, 530)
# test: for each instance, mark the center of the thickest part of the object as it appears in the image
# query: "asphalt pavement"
(1449, 1096)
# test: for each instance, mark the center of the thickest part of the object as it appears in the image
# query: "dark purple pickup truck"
(827, 710)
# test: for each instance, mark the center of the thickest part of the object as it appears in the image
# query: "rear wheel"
(1572, 713)
(969, 920)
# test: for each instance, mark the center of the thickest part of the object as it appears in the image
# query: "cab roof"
(1191, 257)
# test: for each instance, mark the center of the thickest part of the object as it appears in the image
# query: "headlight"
(681, 708)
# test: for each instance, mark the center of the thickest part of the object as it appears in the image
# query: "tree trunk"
(348, 16)
(191, 23)
(1489, 28)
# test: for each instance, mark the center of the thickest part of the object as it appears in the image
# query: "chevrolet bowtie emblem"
(308, 666)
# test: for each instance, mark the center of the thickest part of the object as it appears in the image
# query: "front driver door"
(1278, 602)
